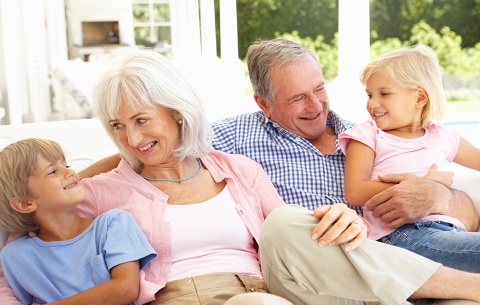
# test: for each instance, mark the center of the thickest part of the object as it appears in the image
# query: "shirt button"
(331, 192)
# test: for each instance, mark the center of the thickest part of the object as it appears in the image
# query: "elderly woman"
(202, 210)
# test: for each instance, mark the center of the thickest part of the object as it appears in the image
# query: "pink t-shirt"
(397, 155)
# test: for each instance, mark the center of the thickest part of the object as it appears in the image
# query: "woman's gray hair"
(144, 78)
(266, 55)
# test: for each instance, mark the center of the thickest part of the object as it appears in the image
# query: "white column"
(11, 26)
(207, 19)
(36, 58)
(347, 94)
(228, 29)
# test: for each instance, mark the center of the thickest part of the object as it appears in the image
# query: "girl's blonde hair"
(413, 68)
(17, 163)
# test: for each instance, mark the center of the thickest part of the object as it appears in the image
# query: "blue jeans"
(440, 242)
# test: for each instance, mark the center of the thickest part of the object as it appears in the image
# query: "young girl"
(405, 98)
(72, 260)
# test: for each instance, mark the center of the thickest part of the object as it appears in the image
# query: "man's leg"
(297, 268)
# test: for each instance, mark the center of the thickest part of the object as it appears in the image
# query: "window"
(152, 24)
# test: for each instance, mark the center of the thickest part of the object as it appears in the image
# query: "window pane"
(142, 35)
(164, 40)
(163, 33)
(162, 12)
(141, 13)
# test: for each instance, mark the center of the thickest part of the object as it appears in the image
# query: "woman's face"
(150, 134)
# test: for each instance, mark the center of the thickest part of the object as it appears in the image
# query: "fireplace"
(100, 33)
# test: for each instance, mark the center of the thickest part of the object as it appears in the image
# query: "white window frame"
(151, 23)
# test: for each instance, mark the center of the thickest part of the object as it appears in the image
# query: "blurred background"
(51, 51)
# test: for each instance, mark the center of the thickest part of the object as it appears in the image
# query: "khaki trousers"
(296, 268)
(216, 289)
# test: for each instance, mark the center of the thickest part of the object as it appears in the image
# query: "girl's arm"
(123, 288)
(467, 155)
(358, 168)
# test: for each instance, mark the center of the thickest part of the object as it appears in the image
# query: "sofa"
(84, 142)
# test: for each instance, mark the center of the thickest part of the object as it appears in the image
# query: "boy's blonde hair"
(17, 163)
(413, 68)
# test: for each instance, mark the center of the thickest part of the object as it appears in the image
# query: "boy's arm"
(358, 169)
(123, 288)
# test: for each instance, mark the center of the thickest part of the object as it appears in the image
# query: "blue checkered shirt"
(301, 174)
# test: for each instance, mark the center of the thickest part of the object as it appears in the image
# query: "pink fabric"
(397, 155)
(220, 242)
(254, 194)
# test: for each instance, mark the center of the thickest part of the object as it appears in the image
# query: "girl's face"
(53, 185)
(391, 106)
(150, 134)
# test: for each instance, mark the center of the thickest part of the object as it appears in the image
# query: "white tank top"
(210, 237)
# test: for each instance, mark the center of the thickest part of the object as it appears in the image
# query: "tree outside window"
(152, 24)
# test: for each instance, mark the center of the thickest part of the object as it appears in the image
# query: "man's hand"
(339, 224)
(411, 198)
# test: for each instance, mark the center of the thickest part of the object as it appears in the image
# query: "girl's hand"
(443, 177)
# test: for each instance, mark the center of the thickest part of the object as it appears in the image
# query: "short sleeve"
(20, 293)
(125, 241)
(364, 133)
(453, 140)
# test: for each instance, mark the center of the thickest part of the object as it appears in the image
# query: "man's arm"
(415, 197)
(101, 166)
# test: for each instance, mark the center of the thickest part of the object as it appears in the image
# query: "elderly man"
(294, 138)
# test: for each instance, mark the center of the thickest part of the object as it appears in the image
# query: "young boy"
(71, 259)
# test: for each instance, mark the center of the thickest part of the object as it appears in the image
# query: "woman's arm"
(123, 288)
(6, 293)
(358, 169)
(101, 166)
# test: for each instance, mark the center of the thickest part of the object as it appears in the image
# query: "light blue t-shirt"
(44, 272)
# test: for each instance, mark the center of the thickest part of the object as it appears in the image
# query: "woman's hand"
(339, 224)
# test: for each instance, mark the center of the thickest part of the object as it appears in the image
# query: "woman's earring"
(180, 122)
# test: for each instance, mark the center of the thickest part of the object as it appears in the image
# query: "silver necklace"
(177, 180)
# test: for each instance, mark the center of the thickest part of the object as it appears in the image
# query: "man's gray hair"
(264, 56)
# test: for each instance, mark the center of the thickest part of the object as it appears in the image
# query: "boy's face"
(53, 185)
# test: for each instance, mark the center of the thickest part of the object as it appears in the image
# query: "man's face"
(301, 100)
